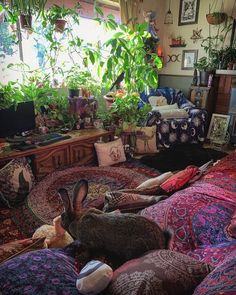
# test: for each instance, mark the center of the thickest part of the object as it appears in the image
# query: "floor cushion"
(161, 272)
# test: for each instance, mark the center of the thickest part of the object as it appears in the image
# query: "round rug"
(43, 202)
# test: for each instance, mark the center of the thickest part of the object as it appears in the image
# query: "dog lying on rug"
(120, 237)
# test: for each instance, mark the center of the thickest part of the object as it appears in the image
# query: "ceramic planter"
(26, 21)
(60, 25)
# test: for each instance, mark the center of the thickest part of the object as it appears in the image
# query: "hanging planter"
(60, 25)
(216, 18)
(26, 21)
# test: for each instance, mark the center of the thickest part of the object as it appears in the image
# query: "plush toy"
(56, 236)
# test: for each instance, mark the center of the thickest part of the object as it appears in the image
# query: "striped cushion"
(94, 277)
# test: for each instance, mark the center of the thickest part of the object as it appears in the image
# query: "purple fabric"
(174, 131)
(47, 271)
(222, 280)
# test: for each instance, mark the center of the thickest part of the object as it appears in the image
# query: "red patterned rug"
(43, 203)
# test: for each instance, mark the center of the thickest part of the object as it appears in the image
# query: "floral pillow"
(16, 181)
(110, 153)
(161, 272)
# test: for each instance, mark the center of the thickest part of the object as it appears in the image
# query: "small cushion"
(231, 229)
(145, 140)
(174, 114)
(179, 179)
(165, 107)
(16, 181)
(110, 153)
(157, 100)
(156, 181)
(14, 248)
(129, 201)
(94, 277)
(161, 272)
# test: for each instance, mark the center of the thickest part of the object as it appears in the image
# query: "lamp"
(168, 16)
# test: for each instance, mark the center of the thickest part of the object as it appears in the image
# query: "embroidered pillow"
(110, 153)
(145, 140)
(156, 181)
(173, 106)
(14, 248)
(94, 277)
(179, 179)
(129, 202)
(16, 181)
(159, 272)
(174, 114)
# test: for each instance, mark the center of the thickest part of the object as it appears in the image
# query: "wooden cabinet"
(78, 149)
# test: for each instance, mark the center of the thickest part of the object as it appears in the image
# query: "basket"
(216, 18)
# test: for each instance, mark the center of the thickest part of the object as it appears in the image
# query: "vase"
(204, 77)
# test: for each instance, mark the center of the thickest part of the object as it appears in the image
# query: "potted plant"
(215, 17)
(57, 16)
(79, 80)
(205, 68)
(25, 9)
(228, 57)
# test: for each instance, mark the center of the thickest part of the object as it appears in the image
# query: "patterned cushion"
(179, 179)
(47, 271)
(128, 201)
(110, 153)
(222, 280)
(94, 277)
(231, 229)
(161, 272)
(14, 248)
(145, 140)
(16, 181)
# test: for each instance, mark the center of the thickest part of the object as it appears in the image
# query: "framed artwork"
(218, 128)
(188, 12)
(189, 57)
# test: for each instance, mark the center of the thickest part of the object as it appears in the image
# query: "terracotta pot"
(108, 101)
(216, 19)
(60, 25)
(26, 21)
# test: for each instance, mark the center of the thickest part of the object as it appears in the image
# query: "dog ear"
(80, 192)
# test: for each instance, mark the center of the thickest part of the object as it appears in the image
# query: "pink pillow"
(110, 153)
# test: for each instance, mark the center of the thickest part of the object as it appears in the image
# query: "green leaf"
(98, 10)
(91, 56)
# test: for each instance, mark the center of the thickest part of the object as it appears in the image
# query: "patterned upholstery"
(174, 131)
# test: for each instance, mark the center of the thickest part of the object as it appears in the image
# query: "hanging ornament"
(169, 16)
(196, 35)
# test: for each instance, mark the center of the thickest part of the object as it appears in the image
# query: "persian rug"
(43, 202)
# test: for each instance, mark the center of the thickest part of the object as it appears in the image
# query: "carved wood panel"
(82, 153)
(49, 161)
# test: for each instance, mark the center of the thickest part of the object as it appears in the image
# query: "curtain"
(129, 11)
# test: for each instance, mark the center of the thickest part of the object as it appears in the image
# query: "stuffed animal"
(56, 236)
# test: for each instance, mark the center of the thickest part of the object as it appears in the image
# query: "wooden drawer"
(83, 152)
(49, 161)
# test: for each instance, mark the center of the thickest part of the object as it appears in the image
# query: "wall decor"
(173, 57)
(188, 12)
(189, 57)
(197, 34)
(218, 128)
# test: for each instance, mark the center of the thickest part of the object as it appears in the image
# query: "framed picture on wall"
(189, 57)
(188, 12)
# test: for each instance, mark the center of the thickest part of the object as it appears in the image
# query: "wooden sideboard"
(227, 79)
(78, 149)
